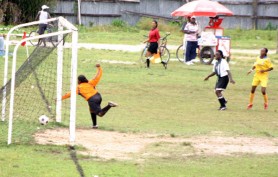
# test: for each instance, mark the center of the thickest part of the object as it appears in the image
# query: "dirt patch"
(115, 145)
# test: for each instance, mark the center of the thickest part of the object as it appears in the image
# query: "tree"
(28, 10)
(9, 13)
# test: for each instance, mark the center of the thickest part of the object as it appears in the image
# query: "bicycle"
(36, 42)
(180, 53)
(206, 54)
(163, 51)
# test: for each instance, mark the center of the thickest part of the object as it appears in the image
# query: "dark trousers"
(102, 113)
(42, 28)
(94, 118)
(95, 109)
(191, 50)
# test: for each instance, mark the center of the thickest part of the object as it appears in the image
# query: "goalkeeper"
(87, 89)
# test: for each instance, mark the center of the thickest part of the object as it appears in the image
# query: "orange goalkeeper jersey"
(87, 90)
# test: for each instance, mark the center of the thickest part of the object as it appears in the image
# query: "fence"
(248, 14)
(256, 14)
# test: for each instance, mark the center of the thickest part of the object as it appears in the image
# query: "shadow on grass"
(75, 160)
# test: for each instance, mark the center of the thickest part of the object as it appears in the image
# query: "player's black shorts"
(94, 103)
(222, 83)
(153, 47)
(42, 28)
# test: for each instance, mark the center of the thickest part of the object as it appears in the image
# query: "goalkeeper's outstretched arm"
(83, 79)
(97, 77)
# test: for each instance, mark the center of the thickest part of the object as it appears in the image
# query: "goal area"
(34, 79)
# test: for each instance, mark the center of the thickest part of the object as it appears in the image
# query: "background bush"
(22, 11)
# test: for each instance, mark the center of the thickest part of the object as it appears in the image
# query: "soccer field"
(170, 116)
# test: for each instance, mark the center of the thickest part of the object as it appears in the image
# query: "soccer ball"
(43, 119)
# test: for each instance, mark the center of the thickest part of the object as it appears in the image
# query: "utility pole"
(255, 14)
(79, 11)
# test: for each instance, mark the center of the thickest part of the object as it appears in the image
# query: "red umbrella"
(202, 8)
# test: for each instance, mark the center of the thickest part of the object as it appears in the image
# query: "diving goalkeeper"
(87, 89)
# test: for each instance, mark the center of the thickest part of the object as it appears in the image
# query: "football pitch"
(167, 124)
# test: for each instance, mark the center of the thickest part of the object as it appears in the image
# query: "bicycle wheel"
(33, 42)
(206, 55)
(164, 54)
(142, 56)
(50, 39)
(180, 53)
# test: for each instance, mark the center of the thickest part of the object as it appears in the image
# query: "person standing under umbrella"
(191, 29)
(184, 37)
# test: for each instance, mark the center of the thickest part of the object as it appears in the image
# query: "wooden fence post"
(255, 14)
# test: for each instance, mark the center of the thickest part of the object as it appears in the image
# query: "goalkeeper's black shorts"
(94, 103)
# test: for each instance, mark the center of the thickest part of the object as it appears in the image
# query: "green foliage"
(270, 26)
(75, 7)
(88, 33)
(30, 10)
(118, 23)
(91, 24)
(9, 12)
(145, 24)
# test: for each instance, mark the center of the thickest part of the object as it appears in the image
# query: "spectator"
(191, 30)
(184, 37)
(42, 16)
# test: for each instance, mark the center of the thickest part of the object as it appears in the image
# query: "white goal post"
(64, 27)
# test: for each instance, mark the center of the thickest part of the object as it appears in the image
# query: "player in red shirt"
(154, 40)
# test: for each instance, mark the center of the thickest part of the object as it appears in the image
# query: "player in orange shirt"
(87, 89)
(262, 66)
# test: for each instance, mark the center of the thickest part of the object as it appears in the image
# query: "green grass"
(252, 39)
(175, 102)
(240, 39)
(176, 91)
(51, 161)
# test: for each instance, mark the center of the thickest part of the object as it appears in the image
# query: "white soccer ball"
(43, 119)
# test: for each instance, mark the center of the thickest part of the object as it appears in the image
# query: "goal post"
(33, 72)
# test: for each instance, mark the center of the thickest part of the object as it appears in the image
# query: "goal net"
(37, 82)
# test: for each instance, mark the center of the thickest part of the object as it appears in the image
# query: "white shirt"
(220, 68)
(43, 17)
(184, 37)
(192, 28)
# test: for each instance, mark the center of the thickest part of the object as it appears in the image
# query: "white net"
(36, 92)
